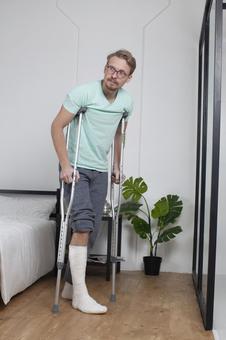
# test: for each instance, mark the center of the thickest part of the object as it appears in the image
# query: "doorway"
(207, 163)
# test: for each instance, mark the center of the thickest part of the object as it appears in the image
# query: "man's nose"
(114, 74)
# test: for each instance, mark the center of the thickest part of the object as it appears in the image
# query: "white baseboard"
(215, 334)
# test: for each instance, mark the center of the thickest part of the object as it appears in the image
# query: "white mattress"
(27, 243)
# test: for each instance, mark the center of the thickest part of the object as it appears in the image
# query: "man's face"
(116, 73)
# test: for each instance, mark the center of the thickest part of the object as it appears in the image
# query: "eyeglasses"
(120, 73)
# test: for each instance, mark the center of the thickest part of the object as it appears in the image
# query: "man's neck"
(110, 95)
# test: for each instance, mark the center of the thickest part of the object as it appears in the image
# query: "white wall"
(48, 47)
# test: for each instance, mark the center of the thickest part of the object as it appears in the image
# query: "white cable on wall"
(76, 44)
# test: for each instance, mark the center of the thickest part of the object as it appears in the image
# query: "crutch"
(65, 217)
(116, 211)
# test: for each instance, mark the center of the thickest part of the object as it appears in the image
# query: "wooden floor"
(147, 308)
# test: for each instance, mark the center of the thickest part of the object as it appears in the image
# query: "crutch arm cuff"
(125, 114)
(82, 110)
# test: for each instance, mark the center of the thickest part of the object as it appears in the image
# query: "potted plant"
(156, 224)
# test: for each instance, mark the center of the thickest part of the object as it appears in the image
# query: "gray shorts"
(88, 203)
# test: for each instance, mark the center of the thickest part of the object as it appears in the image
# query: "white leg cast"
(81, 299)
(67, 292)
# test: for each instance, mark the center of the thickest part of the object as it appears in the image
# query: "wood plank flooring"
(147, 308)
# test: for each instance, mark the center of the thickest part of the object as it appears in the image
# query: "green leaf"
(168, 234)
(129, 207)
(140, 226)
(161, 208)
(175, 208)
(134, 188)
(130, 216)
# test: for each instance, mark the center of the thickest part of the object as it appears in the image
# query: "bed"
(27, 238)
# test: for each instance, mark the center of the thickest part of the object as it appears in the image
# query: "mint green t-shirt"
(99, 123)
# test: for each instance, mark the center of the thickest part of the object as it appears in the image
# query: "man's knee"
(80, 238)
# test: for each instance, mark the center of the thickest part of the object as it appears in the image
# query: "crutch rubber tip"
(113, 298)
(55, 309)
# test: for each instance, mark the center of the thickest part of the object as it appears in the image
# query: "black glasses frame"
(113, 70)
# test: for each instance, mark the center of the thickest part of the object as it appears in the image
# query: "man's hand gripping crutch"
(69, 177)
(117, 158)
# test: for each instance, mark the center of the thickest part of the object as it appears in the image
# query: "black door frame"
(206, 299)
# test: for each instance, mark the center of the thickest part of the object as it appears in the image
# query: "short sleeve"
(74, 100)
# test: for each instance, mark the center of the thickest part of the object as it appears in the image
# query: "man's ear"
(129, 78)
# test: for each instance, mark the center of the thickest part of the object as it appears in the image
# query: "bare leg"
(79, 239)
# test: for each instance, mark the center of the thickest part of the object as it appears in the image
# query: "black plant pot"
(152, 265)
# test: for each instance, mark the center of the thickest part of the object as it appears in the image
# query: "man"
(105, 101)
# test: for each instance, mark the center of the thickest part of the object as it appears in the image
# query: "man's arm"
(63, 118)
(117, 153)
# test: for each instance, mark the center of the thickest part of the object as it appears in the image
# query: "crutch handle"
(82, 110)
(113, 178)
(125, 114)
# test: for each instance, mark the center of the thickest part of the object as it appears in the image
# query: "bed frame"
(36, 192)
(29, 192)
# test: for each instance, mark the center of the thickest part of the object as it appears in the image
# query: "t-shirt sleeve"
(74, 100)
(129, 109)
